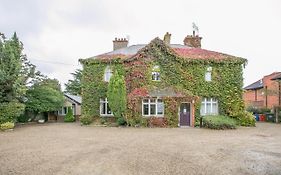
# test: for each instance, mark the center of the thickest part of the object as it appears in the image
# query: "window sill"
(106, 115)
(157, 116)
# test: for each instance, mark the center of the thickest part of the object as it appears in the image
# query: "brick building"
(264, 93)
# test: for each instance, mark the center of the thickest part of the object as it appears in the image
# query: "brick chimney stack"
(119, 43)
(193, 40)
(167, 38)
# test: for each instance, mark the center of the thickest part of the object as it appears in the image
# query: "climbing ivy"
(183, 74)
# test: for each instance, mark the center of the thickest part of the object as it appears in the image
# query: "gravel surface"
(63, 148)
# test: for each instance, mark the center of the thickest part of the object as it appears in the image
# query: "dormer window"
(155, 73)
(208, 74)
(107, 74)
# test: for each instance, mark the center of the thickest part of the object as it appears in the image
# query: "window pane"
(157, 76)
(208, 105)
(202, 109)
(208, 76)
(145, 109)
(152, 100)
(215, 108)
(152, 109)
(160, 108)
(108, 109)
(64, 110)
(159, 100)
(153, 76)
(103, 108)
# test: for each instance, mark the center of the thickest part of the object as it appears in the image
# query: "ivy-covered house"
(166, 84)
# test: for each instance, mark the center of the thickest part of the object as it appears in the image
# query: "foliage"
(7, 125)
(256, 110)
(10, 111)
(16, 72)
(246, 119)
(179, 73)
(44, 97)
(86, 120)
(219, 122)
(23, 118)
(69, 117)
(74, 86)
(116, 95)
(121, 121)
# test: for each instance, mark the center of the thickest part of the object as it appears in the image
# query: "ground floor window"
(152, 107)
(209, 106)
(104, 107)
(64, 110)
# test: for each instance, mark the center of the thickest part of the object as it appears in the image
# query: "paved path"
(59, 148)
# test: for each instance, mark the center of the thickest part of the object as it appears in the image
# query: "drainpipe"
(266, 96)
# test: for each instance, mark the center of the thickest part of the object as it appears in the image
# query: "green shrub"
(23, 118)
(69, 117)
(86, 120)
(103, 121)
(246, 119)
(121, 121)
(10, 111)
(7, 125)
(219, 122)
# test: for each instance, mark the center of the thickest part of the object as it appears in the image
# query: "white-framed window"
(107, 73)
(153, 107)
(64, 110)
(104, 108)
(155, 74)
(208, 74)
(209, 106)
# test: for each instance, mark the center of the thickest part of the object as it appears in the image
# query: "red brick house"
(264, 93)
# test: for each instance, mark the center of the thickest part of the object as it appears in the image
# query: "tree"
(116, 95)
(15, 73)
(44, 97)
(74, 86)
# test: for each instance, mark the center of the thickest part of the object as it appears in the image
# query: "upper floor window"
(152, 107)
(156, 73)
(208, 74)
(107, 74)
(209, 106)
(104, 108)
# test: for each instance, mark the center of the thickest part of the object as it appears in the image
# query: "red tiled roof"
(198, 53)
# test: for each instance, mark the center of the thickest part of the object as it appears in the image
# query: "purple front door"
(185, 114)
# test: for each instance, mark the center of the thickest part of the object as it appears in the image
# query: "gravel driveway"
(59, 148)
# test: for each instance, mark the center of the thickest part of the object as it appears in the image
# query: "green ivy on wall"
(187, 75)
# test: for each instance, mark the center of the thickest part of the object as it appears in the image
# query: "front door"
(185, 114)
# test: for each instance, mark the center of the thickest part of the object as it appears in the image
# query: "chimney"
(119, 43)
(192, 40)
(167, 38)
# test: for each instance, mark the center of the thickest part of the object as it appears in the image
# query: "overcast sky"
(56, 33)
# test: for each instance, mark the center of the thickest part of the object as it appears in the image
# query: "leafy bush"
(121, 121)
(23, 118)
(7, 125)
(219, 122)
(69, 117)
(86, 120)
(246, 119)
(10, 111)
(103, 121)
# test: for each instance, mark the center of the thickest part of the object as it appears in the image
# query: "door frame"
(190, 117)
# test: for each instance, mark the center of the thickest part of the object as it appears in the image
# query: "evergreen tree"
(74, 86)
(116, 95)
